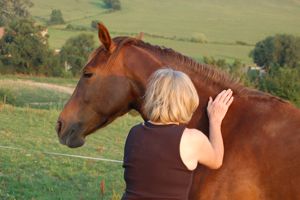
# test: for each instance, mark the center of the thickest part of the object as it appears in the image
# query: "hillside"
(222, 22)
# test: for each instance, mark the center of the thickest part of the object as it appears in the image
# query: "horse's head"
(110, 85)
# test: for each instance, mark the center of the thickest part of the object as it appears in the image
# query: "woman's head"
(170, 97)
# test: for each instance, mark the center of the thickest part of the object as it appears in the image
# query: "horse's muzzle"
(69, 136)
(58, 127)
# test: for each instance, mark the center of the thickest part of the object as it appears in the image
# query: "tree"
(262, 54)
(56, 17)
(55, 66)
(12, 9)
(76, 50)
(23, 47)
(283, 82)
(287, 50)
(280, 50)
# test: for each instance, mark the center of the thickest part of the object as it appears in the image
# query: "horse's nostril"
(58, 127)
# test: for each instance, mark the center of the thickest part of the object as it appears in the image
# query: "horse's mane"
(207, 73)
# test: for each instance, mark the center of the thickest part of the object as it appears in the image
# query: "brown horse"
(261, 132)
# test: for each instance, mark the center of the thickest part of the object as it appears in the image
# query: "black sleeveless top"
(153, 166)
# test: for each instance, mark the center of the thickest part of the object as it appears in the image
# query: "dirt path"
(49, 86)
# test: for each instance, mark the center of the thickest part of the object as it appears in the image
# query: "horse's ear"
(105, 38)
(140, 36)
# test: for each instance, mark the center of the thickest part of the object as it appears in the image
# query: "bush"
(113, 4)
(56, 17)
(55, 66)
(199, 37)
(7, 96)
(94, 24)
(76, 28)
(241, 43)
(70, 27)
(2, 68)
(283, 82)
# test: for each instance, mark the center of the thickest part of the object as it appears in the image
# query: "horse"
(260, 131)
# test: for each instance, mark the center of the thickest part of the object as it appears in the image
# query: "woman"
(161, 153)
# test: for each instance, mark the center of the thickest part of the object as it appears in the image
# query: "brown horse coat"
(261, 132)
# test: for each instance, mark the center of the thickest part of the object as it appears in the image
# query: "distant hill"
(224, 23)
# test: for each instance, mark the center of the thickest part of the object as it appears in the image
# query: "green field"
(27, 172)
(31, 174)
(222, 22)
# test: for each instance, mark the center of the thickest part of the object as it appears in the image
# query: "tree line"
(24, 47)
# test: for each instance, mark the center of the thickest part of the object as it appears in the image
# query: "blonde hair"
(170, 97)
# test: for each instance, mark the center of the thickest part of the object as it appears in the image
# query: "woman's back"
(152, 162)
(158, 155)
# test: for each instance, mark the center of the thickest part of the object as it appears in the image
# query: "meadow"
(26, 172)
(223, 23)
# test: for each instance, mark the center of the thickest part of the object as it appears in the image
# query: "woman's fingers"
(222, 96)
(219, 96)
(210, 100)
(228, 96)
(229, 102)
(217, 108)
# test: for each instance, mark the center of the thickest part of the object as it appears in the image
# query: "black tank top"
(153, 166)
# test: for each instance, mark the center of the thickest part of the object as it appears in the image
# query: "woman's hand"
(216, 109)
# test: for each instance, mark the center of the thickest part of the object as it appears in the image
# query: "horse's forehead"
(97, 58)
(102, 59)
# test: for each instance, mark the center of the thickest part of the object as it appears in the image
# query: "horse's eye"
(87, 75)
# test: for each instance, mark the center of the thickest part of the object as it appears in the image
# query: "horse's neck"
(199, 120)
(204, 87)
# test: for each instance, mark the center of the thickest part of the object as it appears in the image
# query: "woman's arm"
(211, 151)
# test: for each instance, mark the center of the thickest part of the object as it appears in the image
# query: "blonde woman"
(161, 153)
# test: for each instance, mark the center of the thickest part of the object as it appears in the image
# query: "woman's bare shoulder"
(193, 132)
(194, 135)
(190, 146)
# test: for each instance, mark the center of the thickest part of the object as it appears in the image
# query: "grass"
(222, 22)
(28, 174)
(195, 50)
(22, 95)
